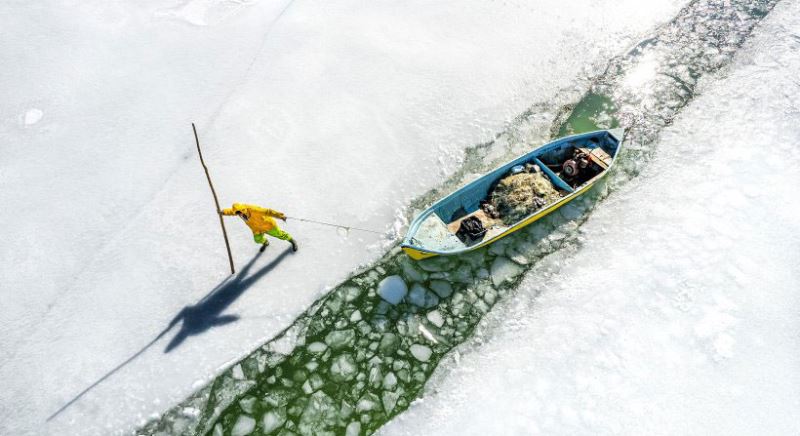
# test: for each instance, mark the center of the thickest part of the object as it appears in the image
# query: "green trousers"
(275, 232)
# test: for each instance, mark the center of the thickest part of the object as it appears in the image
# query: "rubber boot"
(263, 247)
(294, 244)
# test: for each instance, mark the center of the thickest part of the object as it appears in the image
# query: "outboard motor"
(572, 167)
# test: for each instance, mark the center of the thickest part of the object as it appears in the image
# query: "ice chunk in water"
(389, 400)
(320, 412)
(237, 372)
(244, 426)
(317, 347)
(353, 429)
(421, 297)
(367, 403)
(427, 334)
(519, 258)
(411, 273)
(503, 270)
(434, 264)
(343, 368)
(340, 339)
(389, 381)
(315, 382)
(392, 289)
(389, 343)
(417, 295)
(307, 388)
(420, 352)
(271, 421)
(435, 318)
(442, 288)
(247, 404)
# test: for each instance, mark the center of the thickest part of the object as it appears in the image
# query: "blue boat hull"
(467, 199)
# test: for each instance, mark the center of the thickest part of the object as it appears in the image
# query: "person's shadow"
(208, 312)
(197, 318)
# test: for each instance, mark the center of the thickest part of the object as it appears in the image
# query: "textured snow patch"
(203, 12)
(32, 116)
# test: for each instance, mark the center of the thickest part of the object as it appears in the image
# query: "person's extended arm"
(275, 214)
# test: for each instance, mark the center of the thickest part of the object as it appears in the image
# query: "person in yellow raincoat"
(262, 222)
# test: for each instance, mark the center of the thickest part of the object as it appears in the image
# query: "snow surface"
(678, 312)
(339, 111)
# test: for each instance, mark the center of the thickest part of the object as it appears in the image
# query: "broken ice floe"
(392, 289)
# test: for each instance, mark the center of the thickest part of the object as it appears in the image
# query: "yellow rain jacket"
(259, 219)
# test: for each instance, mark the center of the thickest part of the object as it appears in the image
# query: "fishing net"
(517, 196)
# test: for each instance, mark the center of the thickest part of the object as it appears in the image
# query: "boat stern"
(416, 253)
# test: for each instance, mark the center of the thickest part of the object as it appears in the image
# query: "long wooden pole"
(216, 201)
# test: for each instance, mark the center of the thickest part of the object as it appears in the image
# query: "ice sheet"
(677, 314)
(339, 112)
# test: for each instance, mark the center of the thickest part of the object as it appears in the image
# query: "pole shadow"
(197, 318)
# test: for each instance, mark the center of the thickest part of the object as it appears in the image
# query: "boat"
(439, 230)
